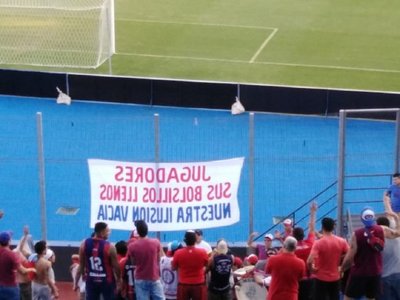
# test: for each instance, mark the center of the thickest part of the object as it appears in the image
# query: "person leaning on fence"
(392, 195)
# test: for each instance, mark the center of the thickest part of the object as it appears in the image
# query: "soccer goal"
(56, 33)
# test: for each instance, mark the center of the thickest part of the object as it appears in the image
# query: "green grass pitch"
(349, 44)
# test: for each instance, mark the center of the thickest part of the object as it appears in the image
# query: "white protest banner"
(168, 196)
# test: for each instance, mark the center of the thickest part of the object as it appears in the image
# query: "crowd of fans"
(288, 265)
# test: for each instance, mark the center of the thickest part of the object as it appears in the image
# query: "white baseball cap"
(269, 236)
(287, 222)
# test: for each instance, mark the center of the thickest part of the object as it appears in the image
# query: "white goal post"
(56, 33)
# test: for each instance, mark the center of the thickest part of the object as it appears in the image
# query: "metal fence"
(288, 159)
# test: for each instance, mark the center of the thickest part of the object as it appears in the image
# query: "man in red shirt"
(286, 271)
(191, 264)
(145, 256)
(324, 260)
(365, 257)
(9, 266)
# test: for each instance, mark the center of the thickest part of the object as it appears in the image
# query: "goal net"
(56, 33)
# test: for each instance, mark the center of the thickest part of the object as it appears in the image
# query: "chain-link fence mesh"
(295, 157)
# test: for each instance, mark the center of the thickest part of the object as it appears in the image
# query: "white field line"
(263, 45)
(261, 63)
(195, 24)
(329, 67)
(183, 57)
(243, 61)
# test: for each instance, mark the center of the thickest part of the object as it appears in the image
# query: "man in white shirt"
(200, 243)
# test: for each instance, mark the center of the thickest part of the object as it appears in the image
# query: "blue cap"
(5, 237)
(174, 245)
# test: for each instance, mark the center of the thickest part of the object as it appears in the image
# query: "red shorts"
(192, 291)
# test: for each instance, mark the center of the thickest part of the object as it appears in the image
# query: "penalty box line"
(263, 45)
(253, 58)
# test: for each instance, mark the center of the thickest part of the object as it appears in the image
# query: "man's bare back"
(42, 276)
(42, 271)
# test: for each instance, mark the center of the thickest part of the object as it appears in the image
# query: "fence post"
(157, 151)
(341, 170)
(397, 143)
(251, 172)
(42, 176)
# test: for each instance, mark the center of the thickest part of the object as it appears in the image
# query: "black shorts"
(358, 286)
(326, 290)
